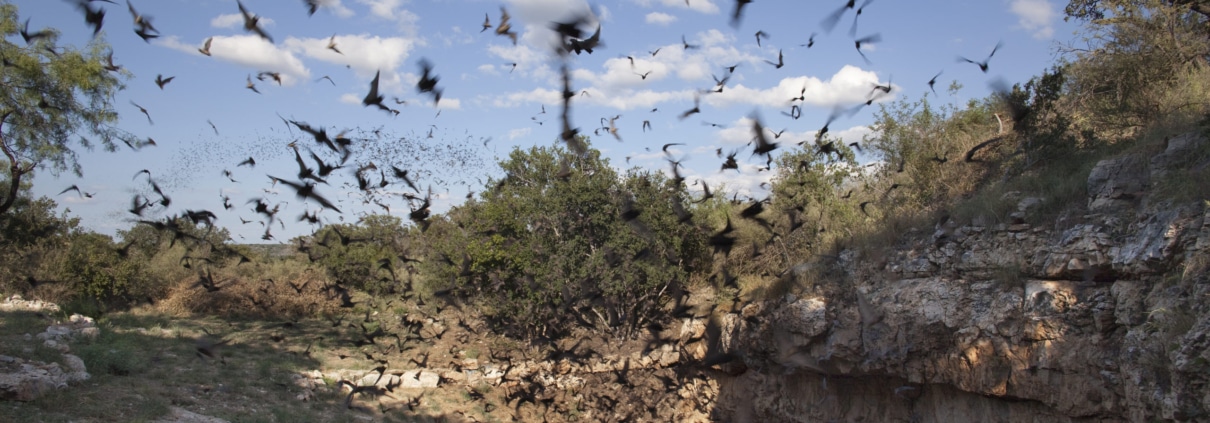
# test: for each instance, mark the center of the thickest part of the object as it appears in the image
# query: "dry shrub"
(272, 296)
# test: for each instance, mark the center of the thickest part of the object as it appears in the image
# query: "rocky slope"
(1101, 315)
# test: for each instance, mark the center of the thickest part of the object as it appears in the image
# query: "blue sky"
(488, 107)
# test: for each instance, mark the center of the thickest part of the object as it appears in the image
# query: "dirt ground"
(376, 361)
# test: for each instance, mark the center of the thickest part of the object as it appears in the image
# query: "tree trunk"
(15, 170)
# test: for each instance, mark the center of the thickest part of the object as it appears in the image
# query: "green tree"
(1103, 9)
(31, 235)
(95, 269)
(563, 240)
(811, 186)
(921, 146)
(364, 255)
(52, 97)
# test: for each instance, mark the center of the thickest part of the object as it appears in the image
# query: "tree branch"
(1197, 7)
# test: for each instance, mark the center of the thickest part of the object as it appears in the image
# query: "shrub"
(31, 237)
(93, 267)
(364, 255)
(547, 247)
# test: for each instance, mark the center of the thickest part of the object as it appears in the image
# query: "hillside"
(1099, 314)
(1037, 254)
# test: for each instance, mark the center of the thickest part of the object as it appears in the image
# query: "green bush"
(32, 236)
(112, 353)
(546, 248)
(93, 267)
(364, 255)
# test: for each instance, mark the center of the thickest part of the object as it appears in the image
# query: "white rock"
(418, 379)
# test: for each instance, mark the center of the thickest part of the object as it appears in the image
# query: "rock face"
(1099, 317)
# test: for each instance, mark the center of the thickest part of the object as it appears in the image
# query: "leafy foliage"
(32, 236)
(809, 189)
(94, 268)
(921, 148)
(362, 255)
(563, 239)
(52, 96)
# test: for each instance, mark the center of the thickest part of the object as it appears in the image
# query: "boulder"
(29, 380)
(1115, 184)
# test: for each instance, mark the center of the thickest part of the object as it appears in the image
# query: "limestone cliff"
(1102, 314)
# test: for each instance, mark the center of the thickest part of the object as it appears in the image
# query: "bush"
(32, 239)
(1146, 61)
(547, 247)
(92, 266)
(364, 255)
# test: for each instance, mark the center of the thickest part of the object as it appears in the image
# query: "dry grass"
(284, 290)
(1186, 181)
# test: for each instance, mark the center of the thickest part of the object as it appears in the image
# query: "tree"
(1145, 60)
(920, 144)
(563, 240)
(1099, 9)
(364, 255)
(30, 237)
(52, 97)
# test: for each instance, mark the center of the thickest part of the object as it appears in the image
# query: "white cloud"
(364, 53)
(530, 62)
(249, 51)
(714, 37)
(519, 132)
(618, 86)
(336, 8)
(703, 6)
(746, 183)
(672, 61)
(349, 98)
(488, 69)
(541, 12)
(393, 10)
(536, 95)
(450, 104)
(227, 21)
(1035, 16)
(630, 100)
(235, 20)
(603, 13)
(382, 8)
(659, 18)
(850, 85)
(850, 135)
(740, 133)
(531, 19)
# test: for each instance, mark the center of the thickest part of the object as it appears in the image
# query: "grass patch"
(1011, 276)
(15, 325)
(1185, 180)
(18, 323)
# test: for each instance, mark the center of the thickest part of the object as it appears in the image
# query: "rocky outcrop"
(26, 380)
(1100, 316)
(16, 303)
